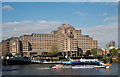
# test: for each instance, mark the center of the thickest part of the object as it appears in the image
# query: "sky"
(98, 19)
(60, 0)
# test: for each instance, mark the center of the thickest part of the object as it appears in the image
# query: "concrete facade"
(11, 45)
(14, 46)
(66, 38)
(5, 48)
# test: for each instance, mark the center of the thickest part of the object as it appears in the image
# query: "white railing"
(88, 59)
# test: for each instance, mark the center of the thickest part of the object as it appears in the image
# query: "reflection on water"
(44, 69)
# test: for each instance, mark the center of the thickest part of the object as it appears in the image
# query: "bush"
(64, 59)
(8, 54)
(105, 60)
(119, 60)
(55, 59)
(115, 60)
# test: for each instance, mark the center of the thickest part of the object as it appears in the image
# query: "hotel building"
(68, 40)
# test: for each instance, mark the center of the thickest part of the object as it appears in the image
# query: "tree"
(43, 53)
(19, 54)
(53, 51)
(8, 54)
(118, 49)
(114, 52)
(94, 52)
(80, 52)
(87, 53)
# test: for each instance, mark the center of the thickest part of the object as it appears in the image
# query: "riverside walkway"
(10, 61)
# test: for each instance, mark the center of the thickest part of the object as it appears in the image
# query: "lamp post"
(105, 53)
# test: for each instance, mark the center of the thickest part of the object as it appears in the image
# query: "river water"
(44, 69)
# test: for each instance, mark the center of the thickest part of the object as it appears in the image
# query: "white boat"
(82, 63)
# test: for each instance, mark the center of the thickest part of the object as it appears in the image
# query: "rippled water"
(44, 69)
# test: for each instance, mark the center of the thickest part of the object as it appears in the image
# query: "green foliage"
(114, 52)
(8, 54)
(43, 53)
(119, 60)
(119, 54)
(88, 53)
(20, 53)
(94, 51)
(55, 59)
(80, 52)
(64, 60)
(118, 49)
(53, 50)
(105, 60)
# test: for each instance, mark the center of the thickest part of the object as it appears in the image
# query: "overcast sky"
(99, 20)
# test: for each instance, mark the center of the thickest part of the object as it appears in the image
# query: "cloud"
(79, 13)
(10, 29)
(111, 18)
(102, 29)
(8, 7)
(43, 21)
(103, 33)
(105, 14)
